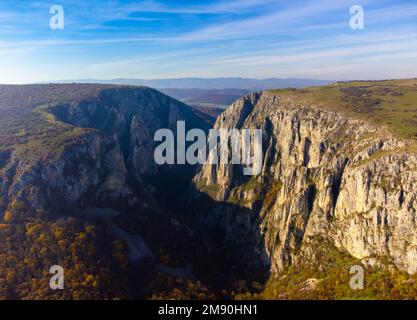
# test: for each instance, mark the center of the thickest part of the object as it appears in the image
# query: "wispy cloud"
(269, 23)
(256, 38)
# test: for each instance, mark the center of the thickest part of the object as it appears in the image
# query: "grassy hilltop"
(391, 103)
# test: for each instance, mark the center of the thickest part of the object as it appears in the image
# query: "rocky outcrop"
(131, 116)
(90, 171)
(325, 176)
(103, 162)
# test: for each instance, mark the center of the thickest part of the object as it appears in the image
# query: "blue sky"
(218, 38)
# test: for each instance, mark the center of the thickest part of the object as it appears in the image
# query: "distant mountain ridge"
(219, 96)
(209, 83)
(206, 98)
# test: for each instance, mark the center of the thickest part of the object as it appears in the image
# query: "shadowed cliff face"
(94, 151)
(325, 175)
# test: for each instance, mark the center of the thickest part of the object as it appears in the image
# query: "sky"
(218, 38)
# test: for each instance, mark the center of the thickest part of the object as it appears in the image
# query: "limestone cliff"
(325, 175)
(89, 171)
(94, 149)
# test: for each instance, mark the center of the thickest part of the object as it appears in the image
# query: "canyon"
(335, 179)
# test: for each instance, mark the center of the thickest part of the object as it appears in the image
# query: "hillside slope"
(81, 145)
(77, 188)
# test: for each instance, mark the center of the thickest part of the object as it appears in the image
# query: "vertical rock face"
(324, 175)
(103, 162)
(131, 116)
(88, 172)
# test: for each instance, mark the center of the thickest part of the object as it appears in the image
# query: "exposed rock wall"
(131, 116)
(324, 175)
(104, 162)
(90, 171)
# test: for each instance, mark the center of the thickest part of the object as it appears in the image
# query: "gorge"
(337, 188)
